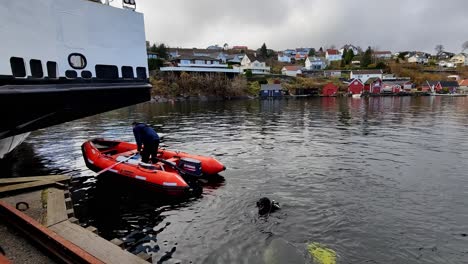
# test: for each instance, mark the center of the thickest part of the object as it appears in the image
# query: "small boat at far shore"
(175, 173)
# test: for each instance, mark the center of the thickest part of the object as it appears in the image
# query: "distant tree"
(402, 55)
(312, 52)
(439, 48)
(162, 51)
(349, 56)
(397, 60)
(321, 49)
(155, 64)
(381, 65)
(153, 48)
(366, 58)
(264, 50)
(148, 45)
(225, 46)
(248, 73)
(343, 56)
(464, 46)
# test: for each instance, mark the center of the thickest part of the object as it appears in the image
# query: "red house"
(355, 87)
(373, 85)
(329, 90)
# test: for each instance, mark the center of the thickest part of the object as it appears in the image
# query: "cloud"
(388, 25)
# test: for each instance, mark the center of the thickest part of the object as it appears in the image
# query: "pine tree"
(264, 50)
(367, 58)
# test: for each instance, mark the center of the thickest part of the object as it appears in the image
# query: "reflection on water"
(378, 180)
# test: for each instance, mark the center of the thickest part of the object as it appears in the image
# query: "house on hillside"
(373, 85)
(291, 70)
(256, 66)
(315, 63)
(330, 90)
(282, 57)
(444, 55)
(333, 55)
(300, 56)
(383, 55)
(460, 59)
(152, 55)
(355, 49)
(355, 87)
(199, 64)
(418, 59)
(364, 75)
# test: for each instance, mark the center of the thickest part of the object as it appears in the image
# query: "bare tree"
(225, 46)
(464, 46)
(439, 48)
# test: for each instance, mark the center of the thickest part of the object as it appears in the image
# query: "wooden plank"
(57, 178)
(95, 245)
(56, 208)
(54, 243)
(25, 186)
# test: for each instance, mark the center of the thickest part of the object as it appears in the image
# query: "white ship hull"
(10, 143)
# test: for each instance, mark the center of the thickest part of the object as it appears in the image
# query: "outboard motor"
(191, 166)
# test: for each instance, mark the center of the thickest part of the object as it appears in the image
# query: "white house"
(199, 64)
(256, 66)
(364, 75)
(282, 57)
(384, 55)
(291, 70)
(418, 59)
(460, 59)
(315, 63)
(333, 55)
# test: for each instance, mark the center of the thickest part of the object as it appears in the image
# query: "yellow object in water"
(321, 254)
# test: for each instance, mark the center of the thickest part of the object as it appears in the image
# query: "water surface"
(378, 180)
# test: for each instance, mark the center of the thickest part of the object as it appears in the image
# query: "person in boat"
(147, 138)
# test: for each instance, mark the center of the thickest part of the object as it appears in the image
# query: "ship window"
(127, 72)
(77, 61)
(86, 74)
(36, 68)
(141, 72)
(71, 74)
(17, 67)
(107, 72)
(52, 69)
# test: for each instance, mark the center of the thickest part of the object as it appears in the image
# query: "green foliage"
(248, 73)
(402, 55)
(349, 56)
(161, 50)
(254, 88)
(264, 51)
(381, 65)
(366, 58)
(312, 52)
(154, 64)
(263, 81)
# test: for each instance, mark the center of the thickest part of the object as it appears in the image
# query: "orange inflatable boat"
(175, 173)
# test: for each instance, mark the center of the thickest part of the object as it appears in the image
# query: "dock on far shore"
(37, 225)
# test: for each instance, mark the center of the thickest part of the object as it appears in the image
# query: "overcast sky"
(385, 25)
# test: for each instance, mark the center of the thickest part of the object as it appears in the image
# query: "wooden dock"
(46, 217)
